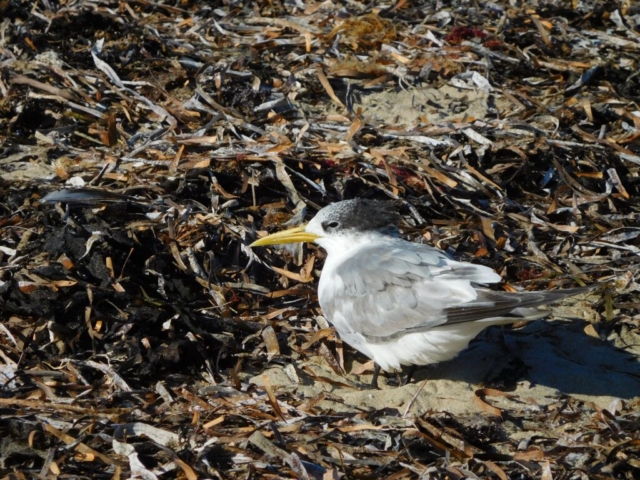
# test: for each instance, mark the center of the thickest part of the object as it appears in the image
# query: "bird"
(402, 303)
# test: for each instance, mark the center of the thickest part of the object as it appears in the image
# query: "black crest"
(366, 215)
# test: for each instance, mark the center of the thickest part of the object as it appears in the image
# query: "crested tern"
(398, 302)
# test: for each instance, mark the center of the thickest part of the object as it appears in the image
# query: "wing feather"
(495, 304)
(392, 287)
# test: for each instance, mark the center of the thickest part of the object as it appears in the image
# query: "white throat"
(339, 244)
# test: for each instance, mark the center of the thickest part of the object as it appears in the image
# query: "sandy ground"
(404, 107)
(545, 359)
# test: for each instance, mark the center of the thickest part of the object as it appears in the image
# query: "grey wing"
(490, 304)
(389, 288)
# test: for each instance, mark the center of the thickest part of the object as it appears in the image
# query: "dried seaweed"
(145, 145)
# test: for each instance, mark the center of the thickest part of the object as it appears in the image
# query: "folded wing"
(389, 289)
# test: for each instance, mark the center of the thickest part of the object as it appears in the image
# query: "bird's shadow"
(557, 354)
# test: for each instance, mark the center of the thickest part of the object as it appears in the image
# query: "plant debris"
(145, 145)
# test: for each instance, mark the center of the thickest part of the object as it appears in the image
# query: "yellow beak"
(293, 235)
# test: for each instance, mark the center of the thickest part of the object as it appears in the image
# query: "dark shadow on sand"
(556, 354)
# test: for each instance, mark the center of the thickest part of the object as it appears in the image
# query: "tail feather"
(503, 307)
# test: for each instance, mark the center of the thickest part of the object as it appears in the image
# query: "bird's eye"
(332, 225)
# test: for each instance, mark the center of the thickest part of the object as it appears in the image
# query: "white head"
(346, 223)
(341, 224)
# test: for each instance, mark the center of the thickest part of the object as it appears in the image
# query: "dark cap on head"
(363, 215)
